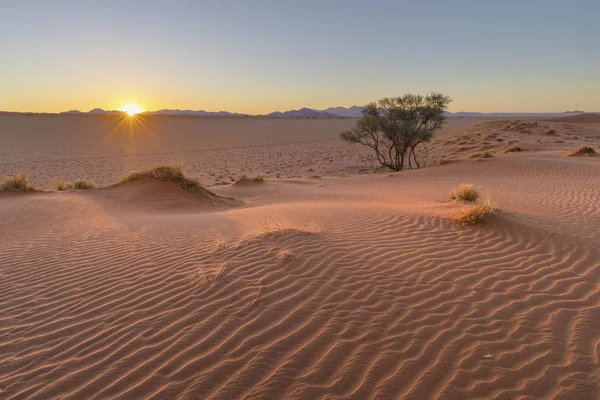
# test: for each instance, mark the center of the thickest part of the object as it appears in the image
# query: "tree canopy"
(395, 126)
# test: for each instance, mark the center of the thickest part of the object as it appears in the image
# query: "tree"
(394, 127)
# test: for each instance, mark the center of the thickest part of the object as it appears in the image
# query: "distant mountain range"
(332, 112)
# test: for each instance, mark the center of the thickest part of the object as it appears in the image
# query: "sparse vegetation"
(465, 191)
(477, 213)
(394, 127)
(245, 178)
(276, 229)
(482, 154)
(442, 161)
(315, 176)
(61, 185)
(83, 184)
(199, 277)
(285, 255)
(513, 149)
(170, 172)
(583, 151)
(17, 183)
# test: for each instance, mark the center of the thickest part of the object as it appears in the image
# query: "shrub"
(465, 191)
(394, 127)
(477, 213)
(17, 183)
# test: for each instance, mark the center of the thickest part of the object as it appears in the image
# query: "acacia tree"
(394, 127)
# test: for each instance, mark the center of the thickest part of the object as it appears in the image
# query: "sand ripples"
(382, 304)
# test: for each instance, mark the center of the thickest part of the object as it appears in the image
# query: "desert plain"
(327, 278)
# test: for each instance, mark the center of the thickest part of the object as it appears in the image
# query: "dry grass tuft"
(583, 151)
(441, 161)
(275, 229)
(170, 172)
(285, 255)
(477, 213)
(482, 154)
(198, 276)
(513, 149)
(17, 183)
(465, 191)
(245, 178)
(83, 184)
(61, 185)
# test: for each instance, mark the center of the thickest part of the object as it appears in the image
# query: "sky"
(259, 56)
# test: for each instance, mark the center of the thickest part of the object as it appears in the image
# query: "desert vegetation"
(477, 213)
(395, 127)
(17, 183)
(82, 184)
(583, 151)
(482, 154)
(61, 185)
(465, 191)
(245, 178)
(170, 172)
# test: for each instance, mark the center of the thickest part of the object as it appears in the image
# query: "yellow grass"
(82, 184)
(482, 154)
(465, 191)
(170, 172)
(272, 228)
(61, 185)
(17, 183)
(477, 213)
(583, 151)
(246, 178)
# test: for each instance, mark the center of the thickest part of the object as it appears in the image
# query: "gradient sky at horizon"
(266, 55)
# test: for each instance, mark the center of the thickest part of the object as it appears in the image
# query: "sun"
(131, 109)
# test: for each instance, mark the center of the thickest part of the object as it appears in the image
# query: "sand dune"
(359, 286)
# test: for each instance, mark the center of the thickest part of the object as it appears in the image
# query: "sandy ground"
(217, 150)
(354, 286)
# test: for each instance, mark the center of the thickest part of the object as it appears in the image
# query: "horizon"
(264, 57)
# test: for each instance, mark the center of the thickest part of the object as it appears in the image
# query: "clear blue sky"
(265, 55)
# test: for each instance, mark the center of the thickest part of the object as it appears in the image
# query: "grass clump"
(170, 172)
(245, 178)
(482, 154)
(285, 255)
(583, 151)
(61, 185)
(17, 183)
(83, 184)
(477, 213)
(274, 229)
(441, 161)
(513, 149)
(465, 191)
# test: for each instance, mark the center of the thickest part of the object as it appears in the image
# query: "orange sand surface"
(344, 286)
